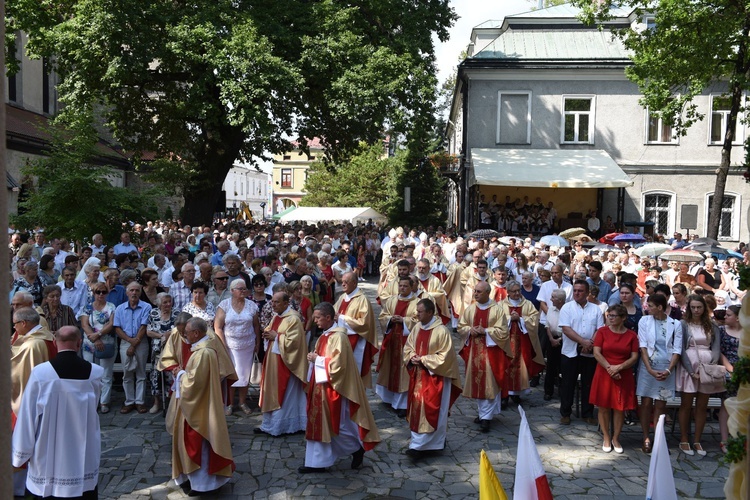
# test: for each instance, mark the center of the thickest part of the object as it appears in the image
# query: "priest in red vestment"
(484, 330)
(433, 381)
(354, 313)
(339, 420)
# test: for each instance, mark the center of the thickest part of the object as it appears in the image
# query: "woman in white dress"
(237, 325)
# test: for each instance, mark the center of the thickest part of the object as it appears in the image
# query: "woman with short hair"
(160, 323)
(99, 335)
(199, 307)
(56, 313)
(47, 272)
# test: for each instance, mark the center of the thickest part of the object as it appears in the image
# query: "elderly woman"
(30, 282)
(308, 291)
(56, 313)
(199, 307)
(660, 344)
(47, 272)
(99, 337)
(613, 385)
(20, 269)
(161, 321)
(701, 344)
(684, 276)
(238, 328)
(220, 292)
(305, 305)
(710, 278)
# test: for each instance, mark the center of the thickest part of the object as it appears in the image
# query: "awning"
(350, 214)
(288, 210)
(546, 168)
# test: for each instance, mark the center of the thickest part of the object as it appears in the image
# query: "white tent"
(348, 214)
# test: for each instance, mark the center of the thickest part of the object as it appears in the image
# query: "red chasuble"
(393, 347)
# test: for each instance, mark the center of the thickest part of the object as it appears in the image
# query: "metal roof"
(566, 10)
(554, 45)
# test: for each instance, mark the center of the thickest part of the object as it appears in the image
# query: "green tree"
(696, 44)
(368, 179)
(73, 197)
(206, 83)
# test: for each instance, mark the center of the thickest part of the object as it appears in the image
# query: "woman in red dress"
(613, 386)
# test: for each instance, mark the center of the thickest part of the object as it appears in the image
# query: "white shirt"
(585, 321)
(545, 295)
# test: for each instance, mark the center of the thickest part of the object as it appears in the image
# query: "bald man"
(59, 406)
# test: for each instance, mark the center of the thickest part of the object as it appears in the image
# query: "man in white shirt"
(579, 321)
(97, 244)
(125, 246)
(74, 292)
(554, 341)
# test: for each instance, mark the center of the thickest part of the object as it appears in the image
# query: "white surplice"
(58, 434)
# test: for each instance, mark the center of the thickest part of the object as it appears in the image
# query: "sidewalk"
(136, 458)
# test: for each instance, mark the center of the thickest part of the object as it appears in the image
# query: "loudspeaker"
(689, 217)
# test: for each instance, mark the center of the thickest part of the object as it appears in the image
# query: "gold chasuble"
(176, 353)
(27, 351)
(391, 370)
(454, 289)
(361, 319)
(324, 399)
(199, 414)
(434, 345)
(526, 351)
(291, 360)
(485, 364)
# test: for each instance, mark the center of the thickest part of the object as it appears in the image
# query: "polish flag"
(531, 480)
(660, 477)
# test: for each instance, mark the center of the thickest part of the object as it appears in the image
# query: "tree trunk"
(736, 92)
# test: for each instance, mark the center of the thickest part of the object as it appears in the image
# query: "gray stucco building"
(542, 108)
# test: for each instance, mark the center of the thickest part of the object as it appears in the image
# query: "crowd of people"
(216, 309)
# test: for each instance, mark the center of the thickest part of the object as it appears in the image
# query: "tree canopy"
(694, 45)
(74, 197)
(204, 84)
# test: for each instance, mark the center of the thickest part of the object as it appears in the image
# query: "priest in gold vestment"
(339, 420)
(282, 387)
(201, 452)
(433, 381)
(484, 331)
(397, 318)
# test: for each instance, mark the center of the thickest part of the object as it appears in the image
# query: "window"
(578, 120)
(729, 221)
(658, 131)
(287, 157)
(658, 208)
(719, 119)
(15, 81)
(286, 177)
(49, 91)
(513, 117)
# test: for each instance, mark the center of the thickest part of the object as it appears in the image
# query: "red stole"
(477, 352)
(499, 294)
(370, 350)
(441, 276)
(425, 390)
(194, 448)
(282, 371)
(393, 347)
(522, 349)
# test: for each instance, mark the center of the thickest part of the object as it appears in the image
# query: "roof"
(350, 214)
(538, 44)
(566, 10)
(546, 168)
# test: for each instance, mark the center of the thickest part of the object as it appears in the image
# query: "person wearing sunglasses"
(97, 323)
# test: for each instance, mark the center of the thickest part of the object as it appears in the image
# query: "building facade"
(248, 185)
(290, 174)
(542, 82)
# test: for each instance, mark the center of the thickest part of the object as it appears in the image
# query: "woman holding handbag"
(238, 327)
(698, 375)
(99, 341)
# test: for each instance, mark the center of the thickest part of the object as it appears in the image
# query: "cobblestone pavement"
(136, 458)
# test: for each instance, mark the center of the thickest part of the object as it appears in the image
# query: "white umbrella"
(652, 249)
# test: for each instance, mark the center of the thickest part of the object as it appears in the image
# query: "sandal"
(723, 447)
(685, 448)
(699, 449)
(646, 447)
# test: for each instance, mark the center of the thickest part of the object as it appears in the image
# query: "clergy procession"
(287, 323)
